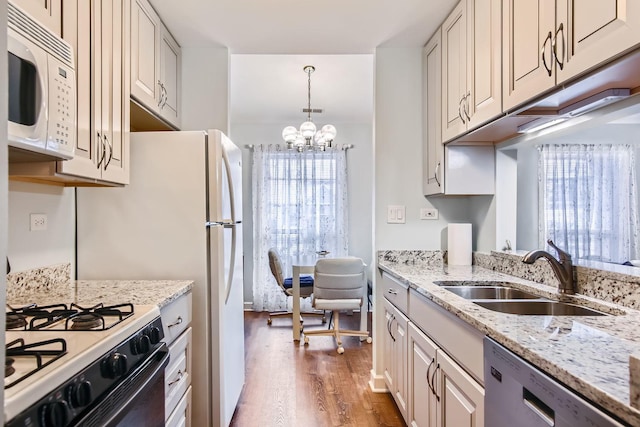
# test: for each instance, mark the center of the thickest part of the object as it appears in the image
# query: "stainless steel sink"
(490, 292)
(539, 308)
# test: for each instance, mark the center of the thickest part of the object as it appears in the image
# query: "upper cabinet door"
(484, 61)
(589, 32)
(47, 12)
(145, 33)
(432, 148)
(528, 63)
(170, 75)
(454, 73)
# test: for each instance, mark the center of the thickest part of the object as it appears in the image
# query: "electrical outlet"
(428, 213)
(38, 222)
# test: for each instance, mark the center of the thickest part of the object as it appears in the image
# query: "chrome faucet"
(563, 269)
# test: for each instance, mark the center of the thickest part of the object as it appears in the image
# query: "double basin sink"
(499, 296)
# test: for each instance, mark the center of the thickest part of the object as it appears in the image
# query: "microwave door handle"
(110, 144)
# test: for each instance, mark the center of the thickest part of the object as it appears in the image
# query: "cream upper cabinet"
(47, 12)
(99, 35)
(461, 398)
(589, 32)
(546, 43)
(156, 62)
(471, 66)
(433, 149)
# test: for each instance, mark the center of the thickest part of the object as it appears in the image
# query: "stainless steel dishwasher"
(519, 394)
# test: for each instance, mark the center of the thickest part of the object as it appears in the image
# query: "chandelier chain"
(309, 93)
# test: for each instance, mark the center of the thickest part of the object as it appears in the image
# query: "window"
(588, 200)
(299, 208)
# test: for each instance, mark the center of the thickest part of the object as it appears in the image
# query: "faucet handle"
(562, 255)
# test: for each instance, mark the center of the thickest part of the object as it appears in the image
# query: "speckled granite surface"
(589, 354)
(49, 285)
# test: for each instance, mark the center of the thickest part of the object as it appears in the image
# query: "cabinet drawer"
(181, 416)
(176, 317)
(396, 292)
(177, 376)
(461, 341)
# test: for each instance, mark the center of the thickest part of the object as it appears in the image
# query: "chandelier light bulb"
(308, 129)
(289, 134)
(329, 132)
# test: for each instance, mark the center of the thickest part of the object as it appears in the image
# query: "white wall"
(205, 89)
(360, 182)
(33, 249)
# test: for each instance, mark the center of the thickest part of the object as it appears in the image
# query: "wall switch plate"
(38, 222)
(428, 213)
(395, 214)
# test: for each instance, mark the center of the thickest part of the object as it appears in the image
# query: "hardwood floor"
(289, 384)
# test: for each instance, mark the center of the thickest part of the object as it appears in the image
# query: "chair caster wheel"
(340, 350)
(369, 340)
(324, 320)
(269, 321)
(306, 340)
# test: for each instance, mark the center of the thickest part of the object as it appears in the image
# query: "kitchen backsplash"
(27, 282)
(608, 282)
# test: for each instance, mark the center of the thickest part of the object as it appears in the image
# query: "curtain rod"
(344, 147)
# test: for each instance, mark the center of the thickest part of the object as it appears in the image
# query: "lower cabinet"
(395, 355)
(176, 318)
(433, 365)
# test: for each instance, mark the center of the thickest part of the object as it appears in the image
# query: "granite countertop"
(589, 354)
(109, 292)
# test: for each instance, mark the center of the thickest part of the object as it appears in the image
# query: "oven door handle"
(117, 401)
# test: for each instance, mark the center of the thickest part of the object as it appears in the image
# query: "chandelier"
(308, 136)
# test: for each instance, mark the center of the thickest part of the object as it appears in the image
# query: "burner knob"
(114, 366)
(154, 335)
(54, 414)
(141, 345)
(79, 394)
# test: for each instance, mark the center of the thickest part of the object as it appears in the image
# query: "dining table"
(305, 264)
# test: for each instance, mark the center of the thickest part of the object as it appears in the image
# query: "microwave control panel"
(61, 135)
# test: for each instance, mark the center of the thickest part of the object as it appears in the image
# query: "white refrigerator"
(180, 218)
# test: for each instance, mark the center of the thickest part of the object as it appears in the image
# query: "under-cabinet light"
(595, 101)
(539, 124)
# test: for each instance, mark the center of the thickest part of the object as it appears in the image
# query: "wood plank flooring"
(289, 384)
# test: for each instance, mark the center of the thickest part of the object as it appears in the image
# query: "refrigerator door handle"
(214, 224)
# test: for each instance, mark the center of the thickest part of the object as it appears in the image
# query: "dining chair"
(286, 284)
(339, 284)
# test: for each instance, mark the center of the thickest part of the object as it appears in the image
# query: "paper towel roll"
(459, 244)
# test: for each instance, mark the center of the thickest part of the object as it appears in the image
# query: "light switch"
(395, 214)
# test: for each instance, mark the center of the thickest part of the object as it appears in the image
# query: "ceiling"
(271, 41)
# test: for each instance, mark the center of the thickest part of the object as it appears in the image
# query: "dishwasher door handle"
(538, 407)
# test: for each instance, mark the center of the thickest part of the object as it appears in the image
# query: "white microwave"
(42, 90)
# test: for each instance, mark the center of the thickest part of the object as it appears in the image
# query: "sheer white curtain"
(589, 201)
(299, 207)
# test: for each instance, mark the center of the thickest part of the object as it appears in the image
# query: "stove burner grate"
(72, 318)
(8, 367)
(43, 353)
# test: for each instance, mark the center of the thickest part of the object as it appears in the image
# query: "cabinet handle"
(460, 109)
(435, 174)
(560, 61)
(161, 94)
(176, 323)
(110, 151)
(164, 92)
(104, 151)
(391, 327)
(433, 360)
(433, 377)
(392, 291)
(178, 378)
(542, 52)
(465, 106)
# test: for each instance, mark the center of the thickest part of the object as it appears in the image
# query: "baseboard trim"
(377, 384)
(248, 306)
